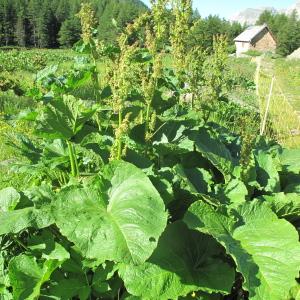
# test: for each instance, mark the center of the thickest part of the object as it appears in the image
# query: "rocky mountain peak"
(249, 16)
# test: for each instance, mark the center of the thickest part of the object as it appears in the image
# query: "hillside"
(250, 15)
(296, 7)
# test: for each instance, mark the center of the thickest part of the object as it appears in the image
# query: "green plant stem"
(95, 73)
(64, 178)
(192, 102)
(20, 243)
(75, 161)
(71, 156)
(148, 109)
(88, 284)
(147, 117)
(120, 138)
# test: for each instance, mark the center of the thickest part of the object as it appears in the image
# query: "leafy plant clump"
(137, 193)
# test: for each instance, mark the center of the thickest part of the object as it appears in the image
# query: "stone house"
(258, 38)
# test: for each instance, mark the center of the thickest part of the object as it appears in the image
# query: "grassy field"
(242, 71)
(282, 99)
(288, 75)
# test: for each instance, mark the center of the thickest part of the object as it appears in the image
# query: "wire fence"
(279, 120)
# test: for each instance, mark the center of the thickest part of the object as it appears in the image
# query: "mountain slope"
(296, 7)
(249, 16)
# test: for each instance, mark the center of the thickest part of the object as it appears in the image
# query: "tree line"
(206, 28)
(286, 29)
(53, 23)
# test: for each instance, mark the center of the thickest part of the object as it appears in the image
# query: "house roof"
(250, 33)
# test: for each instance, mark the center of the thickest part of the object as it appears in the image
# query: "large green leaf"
(266, 249)
(215, 151)
(290, 160)
(233, 193)
(172, 138)
(43, 245)
(9, 198)
(266, 170)
(184, 261)
(75, 285)
(119, 219)
(15, 221)
(62, 119)
(46, 72)
(27, 275)
(195, 180)
(285, 205)
(4, 280)
(41, 196)
(55, 154)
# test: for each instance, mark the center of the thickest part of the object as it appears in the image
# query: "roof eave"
(242, 41)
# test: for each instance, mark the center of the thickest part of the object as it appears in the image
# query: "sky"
(227, 8)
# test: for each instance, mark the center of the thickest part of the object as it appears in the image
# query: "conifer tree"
(22, 24)
(69, 32)
(9, 21)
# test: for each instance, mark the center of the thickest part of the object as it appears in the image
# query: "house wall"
(264, 42)
(242, 47)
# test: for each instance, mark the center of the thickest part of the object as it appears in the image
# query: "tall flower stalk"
(121, 77)
(88, 25)
(180, 32)
(156, 35)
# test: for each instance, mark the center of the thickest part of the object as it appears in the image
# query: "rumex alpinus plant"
(88, 25)
(122, 78)
(155, 203)
(182, 13)
(154, 41)
(216, 70)
(195, 82)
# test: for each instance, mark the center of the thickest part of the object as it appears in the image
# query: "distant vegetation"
(206, 28)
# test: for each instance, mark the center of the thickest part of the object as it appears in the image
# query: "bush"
(253, 53)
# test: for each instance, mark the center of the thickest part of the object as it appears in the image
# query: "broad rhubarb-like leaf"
(184, 261)
(27, 275)
(215, 151)
(266, 249)
(120, 219)
(9, 198)
(17, 220)
(285, 205)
